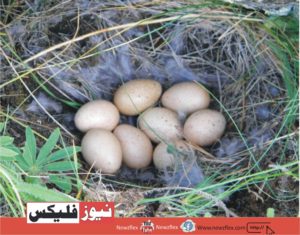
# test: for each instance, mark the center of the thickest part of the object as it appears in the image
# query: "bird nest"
(84, 50)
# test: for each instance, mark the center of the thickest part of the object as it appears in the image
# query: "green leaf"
(6, 140)
(27, 156)
(7, 154)
(62, 182)
(14, 148)
(48, 146)
(42, 194)
(60, 166)
(22, 163)
(30, 147)
(33, 180)
(63, 153)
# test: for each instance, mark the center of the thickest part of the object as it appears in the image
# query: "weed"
(25, 172)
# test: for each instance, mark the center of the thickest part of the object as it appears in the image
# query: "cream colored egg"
(185, 97)
(136, 146)
(204, 127)
(102, 149)
(162, 158)
(160, 124)
(136, 96)
(97, 114)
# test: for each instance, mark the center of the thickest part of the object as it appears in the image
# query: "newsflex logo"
(53, 213)
(147, 227)
(69, 213)
(188, 226)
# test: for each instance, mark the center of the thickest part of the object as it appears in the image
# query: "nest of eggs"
(164, 125)
(215, 51)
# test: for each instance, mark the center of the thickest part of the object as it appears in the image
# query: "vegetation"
(247, 60)
(25, 174)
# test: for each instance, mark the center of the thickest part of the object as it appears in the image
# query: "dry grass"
(86, 50)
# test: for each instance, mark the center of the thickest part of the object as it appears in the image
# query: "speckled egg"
(136, 146)
(97, 114)
(160, 124)
(102, 150)
(136, 96)
(162, 158)
(204, 127)
(185, 97)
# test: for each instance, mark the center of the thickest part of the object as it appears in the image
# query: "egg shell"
(204, 127)
(185, 97)
(160, 124)
(136, 146)
(136, 96)
(103, 149)
(163, 159)
(97, 114)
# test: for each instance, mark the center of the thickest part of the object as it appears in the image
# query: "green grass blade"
(1, 126)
